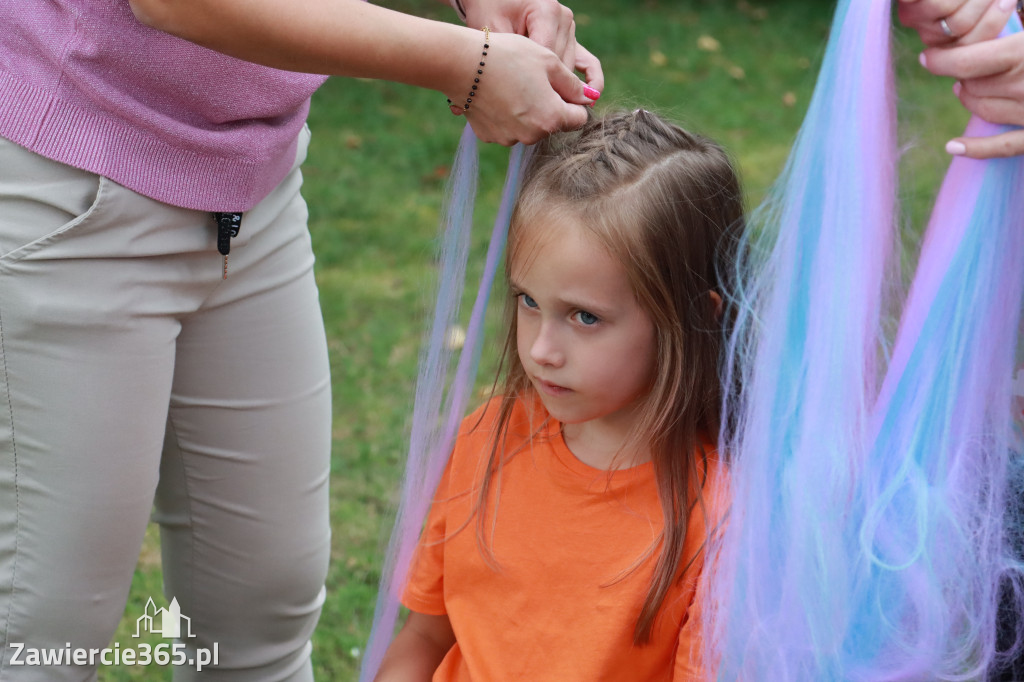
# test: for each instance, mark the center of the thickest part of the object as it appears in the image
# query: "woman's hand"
(967, 21)
(962, 36)
(524, 94)
(991, 85)
(546, 22)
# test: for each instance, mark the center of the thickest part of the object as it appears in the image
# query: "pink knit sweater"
(84, 83)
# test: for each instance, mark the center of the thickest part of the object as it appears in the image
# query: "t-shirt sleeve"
(689, 664)
(424, 589)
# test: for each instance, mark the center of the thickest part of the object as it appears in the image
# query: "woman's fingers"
(996, 146)
(590, 67)
(551, 24)
(925, 16)
(992, 108)
(959, 22)
(979, 60)
(1008, 85)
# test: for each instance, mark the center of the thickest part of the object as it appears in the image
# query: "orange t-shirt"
(575, 549)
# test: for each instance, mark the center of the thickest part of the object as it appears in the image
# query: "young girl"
(566, 538)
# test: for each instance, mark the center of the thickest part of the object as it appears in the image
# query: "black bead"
(481, 63)
(479, 71)
(476, 80)
(468, 100)
(485, 54)
(486, 46)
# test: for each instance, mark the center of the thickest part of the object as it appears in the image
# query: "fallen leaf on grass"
(658, 58)
(439, 173)
(456, 338)
(758, 13)
(708, 44)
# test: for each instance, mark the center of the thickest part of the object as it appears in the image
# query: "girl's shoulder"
(715, 488)
(497, 426)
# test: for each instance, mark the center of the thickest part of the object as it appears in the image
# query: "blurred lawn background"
(740, 71)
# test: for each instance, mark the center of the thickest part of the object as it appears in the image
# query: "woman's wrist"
(460, 106)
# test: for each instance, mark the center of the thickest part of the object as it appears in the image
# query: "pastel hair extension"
(805, 352)
(876, 555)
(936, 534)
(935, 477)
(441, 392)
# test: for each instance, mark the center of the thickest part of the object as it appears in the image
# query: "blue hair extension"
(440, 406)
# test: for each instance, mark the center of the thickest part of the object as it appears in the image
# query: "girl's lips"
(552, 389)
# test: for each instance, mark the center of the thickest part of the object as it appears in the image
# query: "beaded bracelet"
(457, 110)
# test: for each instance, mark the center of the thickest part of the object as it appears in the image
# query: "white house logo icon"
(163, 622)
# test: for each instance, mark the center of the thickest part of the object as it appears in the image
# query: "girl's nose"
(546, 349)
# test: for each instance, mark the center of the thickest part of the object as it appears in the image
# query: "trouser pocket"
(41, 200)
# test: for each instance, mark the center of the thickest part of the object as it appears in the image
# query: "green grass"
(741, 72)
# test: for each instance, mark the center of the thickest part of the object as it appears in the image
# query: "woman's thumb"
(572, 89)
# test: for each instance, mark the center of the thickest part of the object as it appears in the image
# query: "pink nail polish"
(957, 88)
(956, 148)
(591, 92)
(924, 60)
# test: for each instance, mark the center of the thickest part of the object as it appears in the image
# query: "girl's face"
(587, 346)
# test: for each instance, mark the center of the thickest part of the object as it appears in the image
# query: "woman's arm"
(525, 91)
(417, 650)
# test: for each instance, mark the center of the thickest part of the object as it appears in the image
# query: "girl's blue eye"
(587, 319)
(527, 301)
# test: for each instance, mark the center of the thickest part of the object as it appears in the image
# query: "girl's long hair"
(666, 203)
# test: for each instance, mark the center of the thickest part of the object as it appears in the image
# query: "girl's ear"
(716, 301)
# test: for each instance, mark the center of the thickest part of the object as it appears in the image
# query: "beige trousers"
(131, 373)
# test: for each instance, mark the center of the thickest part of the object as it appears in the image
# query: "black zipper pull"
(228, 225)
